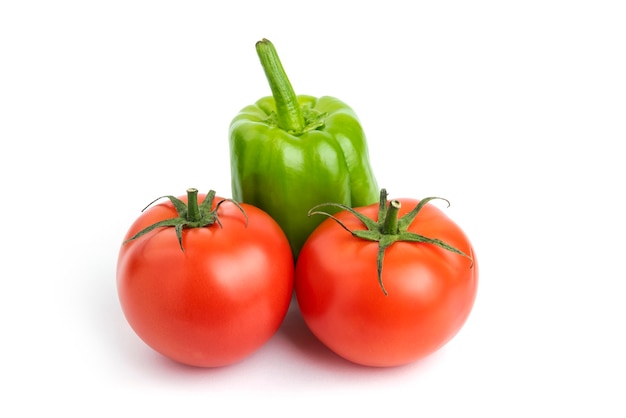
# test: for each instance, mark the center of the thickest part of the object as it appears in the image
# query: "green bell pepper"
(290, 153)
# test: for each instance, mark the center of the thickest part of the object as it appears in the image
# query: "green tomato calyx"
(190, 214)
(388, 228)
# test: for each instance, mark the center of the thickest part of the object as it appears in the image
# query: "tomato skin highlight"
(218, 301)
(431, 290)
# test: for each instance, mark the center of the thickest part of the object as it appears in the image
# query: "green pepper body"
(287, 171)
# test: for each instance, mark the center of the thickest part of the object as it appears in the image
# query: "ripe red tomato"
(217, 301)
(430, 290)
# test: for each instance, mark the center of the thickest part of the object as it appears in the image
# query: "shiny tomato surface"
(218, 301)
(431, 290)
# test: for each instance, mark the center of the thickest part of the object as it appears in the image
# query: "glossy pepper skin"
(290, 153)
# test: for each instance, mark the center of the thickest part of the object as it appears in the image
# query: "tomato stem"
(193, 211)
(390, 226)
(189, 215)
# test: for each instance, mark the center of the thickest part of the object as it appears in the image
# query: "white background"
(513, 110)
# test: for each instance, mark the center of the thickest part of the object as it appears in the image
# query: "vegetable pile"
(206, 281)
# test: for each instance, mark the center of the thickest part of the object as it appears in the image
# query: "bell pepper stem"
(289, 114)
(390, 225)
(193, 211)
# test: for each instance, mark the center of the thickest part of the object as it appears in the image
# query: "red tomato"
(219, 300)
(431, 290)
